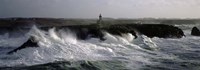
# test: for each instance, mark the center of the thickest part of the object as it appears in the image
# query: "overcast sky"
(108, 8)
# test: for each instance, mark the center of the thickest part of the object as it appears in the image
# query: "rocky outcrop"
(90, 31)
(150, 30)
(119, 30)
(159, 30)
(195, 31)
(29, 43)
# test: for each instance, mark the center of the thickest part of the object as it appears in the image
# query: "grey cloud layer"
(91, 8)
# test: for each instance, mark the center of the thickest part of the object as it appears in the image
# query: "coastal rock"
(150, 30)
(120, 30)
(159, 30)
(29, 43)
(90, 31)
(155, 30)
(195, 31)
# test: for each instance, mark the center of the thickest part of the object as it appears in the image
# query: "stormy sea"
(60, 49)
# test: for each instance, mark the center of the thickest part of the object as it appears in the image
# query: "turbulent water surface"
(60, 49)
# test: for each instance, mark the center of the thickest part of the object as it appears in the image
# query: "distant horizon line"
(97, 18)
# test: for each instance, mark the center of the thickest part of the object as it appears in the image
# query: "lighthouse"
(100, 17)
(99, 20)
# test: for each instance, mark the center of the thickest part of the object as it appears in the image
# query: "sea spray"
(124, 39)
(53, 34)
(68, 36)
(145, 42)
